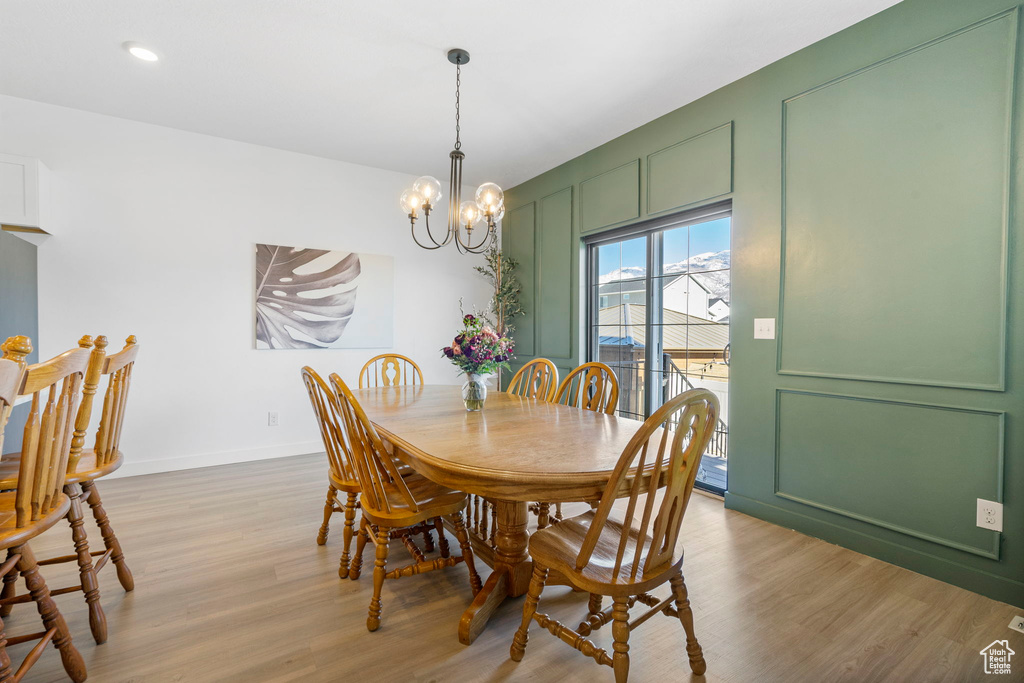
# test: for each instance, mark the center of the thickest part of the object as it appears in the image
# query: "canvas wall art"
(322, 299)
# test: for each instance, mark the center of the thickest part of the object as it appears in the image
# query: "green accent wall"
(875, 180)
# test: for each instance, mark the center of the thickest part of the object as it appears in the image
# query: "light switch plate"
(764, 328)
(990, 514)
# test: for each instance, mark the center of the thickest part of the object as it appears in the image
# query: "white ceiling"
(368, 82)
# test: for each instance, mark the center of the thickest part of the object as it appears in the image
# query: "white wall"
(155, 230)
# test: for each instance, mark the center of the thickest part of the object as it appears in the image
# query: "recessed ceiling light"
(140, 51)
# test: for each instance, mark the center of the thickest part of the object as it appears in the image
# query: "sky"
(679, 245)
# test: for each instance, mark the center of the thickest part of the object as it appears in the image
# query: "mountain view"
(717, 282)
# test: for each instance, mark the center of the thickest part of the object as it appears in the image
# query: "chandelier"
(480, 214)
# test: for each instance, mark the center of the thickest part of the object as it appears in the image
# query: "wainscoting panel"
(895, 244)
(914, 468)
(555, 281)
(611, 197)
(691, 171)
(519, 231)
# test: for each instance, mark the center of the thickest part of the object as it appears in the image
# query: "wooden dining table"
(514, 452)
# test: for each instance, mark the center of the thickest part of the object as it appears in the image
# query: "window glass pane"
(716, 287)
(676, 249)
(709, 245)
(631, 388)
(608, 258)
(634, 259)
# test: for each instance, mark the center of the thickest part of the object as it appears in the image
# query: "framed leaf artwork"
(321, 299)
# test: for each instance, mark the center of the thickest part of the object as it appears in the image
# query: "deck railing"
(673, 382)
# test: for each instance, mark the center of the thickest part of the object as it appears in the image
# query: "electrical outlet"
(272, 419)
(990, 514)
(1017, 624)
(764, 328)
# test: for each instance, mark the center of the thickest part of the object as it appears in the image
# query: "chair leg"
(124, 575)
(346, 534)
(543, 515)
(540, 576)
(693, 649)
(620, 632)
(442, 540)
(428, 539)
(467, 552)
(594, 605)
(52, 619)
(90, 586)
(5, 662)
(10, 589)
(325, 528)
(379, 570)
(357, 560)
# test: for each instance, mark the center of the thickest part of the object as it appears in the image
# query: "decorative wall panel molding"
(519, 229)
(914, 468)
(611, 197)
(895, 210)
(694, 170)
(554, 283)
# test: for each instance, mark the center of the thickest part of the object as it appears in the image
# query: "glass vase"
(474, 392)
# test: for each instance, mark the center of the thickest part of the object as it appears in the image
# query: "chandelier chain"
(458, 83)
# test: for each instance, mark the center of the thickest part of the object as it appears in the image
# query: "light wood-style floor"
(231, 586)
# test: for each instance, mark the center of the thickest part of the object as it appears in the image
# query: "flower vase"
(474, 392)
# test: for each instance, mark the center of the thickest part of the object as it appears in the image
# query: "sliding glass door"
(658, 314)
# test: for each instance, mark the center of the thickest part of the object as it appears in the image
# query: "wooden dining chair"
(394, 506)
(390, 370)
(84, 467)
(536, 379)
(38, 501)
(605, 554)
(340, 473)
(591, 386)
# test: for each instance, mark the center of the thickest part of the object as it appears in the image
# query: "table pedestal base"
(512, 567)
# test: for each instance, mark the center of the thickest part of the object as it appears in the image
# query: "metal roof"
(680, 331)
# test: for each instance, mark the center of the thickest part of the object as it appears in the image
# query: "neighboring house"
(624, 334)
(718, 309)
(682, 293)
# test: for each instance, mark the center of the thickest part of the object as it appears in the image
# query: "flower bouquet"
(479, 352)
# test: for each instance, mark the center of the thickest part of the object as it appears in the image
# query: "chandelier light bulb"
(489, 198)
(411, 202)
(469, 213)
(429, 188)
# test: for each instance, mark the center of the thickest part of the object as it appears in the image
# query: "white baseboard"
(134, 468)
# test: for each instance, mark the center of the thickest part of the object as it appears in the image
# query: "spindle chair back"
(390, 370)
(54, 386)
(374, 466)
(591, 386)
(117, 368)
(536, 379)
(605, 554)
(677, 450)
(332, 430)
